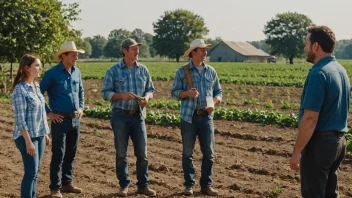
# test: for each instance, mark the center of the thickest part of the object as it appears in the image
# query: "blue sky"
(232, 20)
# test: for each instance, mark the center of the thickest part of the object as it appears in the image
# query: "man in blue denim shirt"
(321, 145)
(63, 83)
(129, 87)
(197, 105)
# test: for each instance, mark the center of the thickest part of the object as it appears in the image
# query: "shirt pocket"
(61, 85)
(120, 84)
(75, 85)
(209, 83)
(32, 101)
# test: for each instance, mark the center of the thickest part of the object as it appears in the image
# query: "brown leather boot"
(55, 194)
(123, 192)
(70, 188)
(146, 191)
(209, 191)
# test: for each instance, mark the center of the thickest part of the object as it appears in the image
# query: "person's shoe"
(55, 194)
(70, 188)
(209, 191)
(188, 191)
(146, 191)
(123, 192)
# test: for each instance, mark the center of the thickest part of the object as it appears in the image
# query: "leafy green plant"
(269, 104)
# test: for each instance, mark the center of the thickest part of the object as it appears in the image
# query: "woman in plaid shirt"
(31, 129)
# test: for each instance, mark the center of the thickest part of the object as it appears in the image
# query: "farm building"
(230, 51)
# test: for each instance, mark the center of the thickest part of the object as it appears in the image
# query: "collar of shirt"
(27, 85)
(324, 60)
(62, 67)
(122, 64)
(190, 65)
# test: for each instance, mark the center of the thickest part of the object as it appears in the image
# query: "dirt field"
(250, 160)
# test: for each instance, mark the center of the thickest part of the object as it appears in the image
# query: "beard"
(310, 57)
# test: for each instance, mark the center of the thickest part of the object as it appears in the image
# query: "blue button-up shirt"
(206, 83)
(327, 91)
(29, 110)
(120, 79)
(65, 90)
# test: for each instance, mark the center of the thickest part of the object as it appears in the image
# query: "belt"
(68, 115)
(200, 112)
(329, 133)
(131, 112)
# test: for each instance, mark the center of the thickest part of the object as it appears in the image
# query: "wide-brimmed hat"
(197, 43)
(129, 43)
(68, 46)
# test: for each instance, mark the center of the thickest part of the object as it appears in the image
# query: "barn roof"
(243, 48)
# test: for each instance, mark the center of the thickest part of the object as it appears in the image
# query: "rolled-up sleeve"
(217, 91)
(19, 105)
(177, 86)
(108, 89)
(149, 86)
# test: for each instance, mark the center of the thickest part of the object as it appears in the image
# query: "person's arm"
(312, 103)
(217, 91)
(19, 105)
(108, 92)
(45, 84)
(177, 91)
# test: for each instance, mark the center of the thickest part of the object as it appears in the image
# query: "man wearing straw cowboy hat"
(197, 86)
(63, 83)
(129, 87)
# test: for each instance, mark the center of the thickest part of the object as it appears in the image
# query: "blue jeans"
(203, 126)
(65, 137)
(124, 126)
(31, 165)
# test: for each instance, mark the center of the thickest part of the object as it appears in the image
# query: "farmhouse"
(230, 51)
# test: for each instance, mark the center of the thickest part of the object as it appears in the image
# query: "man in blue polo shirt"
(63, 83)
(322, 121)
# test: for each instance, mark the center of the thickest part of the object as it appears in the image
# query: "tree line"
(41, 26)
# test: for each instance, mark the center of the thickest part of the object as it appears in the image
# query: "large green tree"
(98, 43)
(35, 26)
(85, 45)
(286, 33)
(175, 30)
(348, 51)
(149, 40)
(113, 47)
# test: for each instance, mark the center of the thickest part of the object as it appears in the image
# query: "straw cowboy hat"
(197, 43)
(68, 46)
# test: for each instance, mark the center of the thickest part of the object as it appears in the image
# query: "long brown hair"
(22, 73)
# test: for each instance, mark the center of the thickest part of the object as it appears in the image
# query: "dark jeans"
(319, 165)
(65, 137)
(31, 165)
(124, 126)
(202, 125)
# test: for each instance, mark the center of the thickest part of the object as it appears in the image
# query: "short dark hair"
(324, 36)
(194, 50)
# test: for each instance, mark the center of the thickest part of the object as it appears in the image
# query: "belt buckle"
(132, 112)
(199, 112)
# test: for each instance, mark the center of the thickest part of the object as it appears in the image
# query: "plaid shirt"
(206, 83)
(119, 79)
(29, 111)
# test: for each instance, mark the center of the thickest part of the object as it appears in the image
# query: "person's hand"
(30, 148)
(80, 113)
(209, 109)
(193, 93)
(47, 140)
(294, 161)
(56, 118)
(144, 102)
(127, 96)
